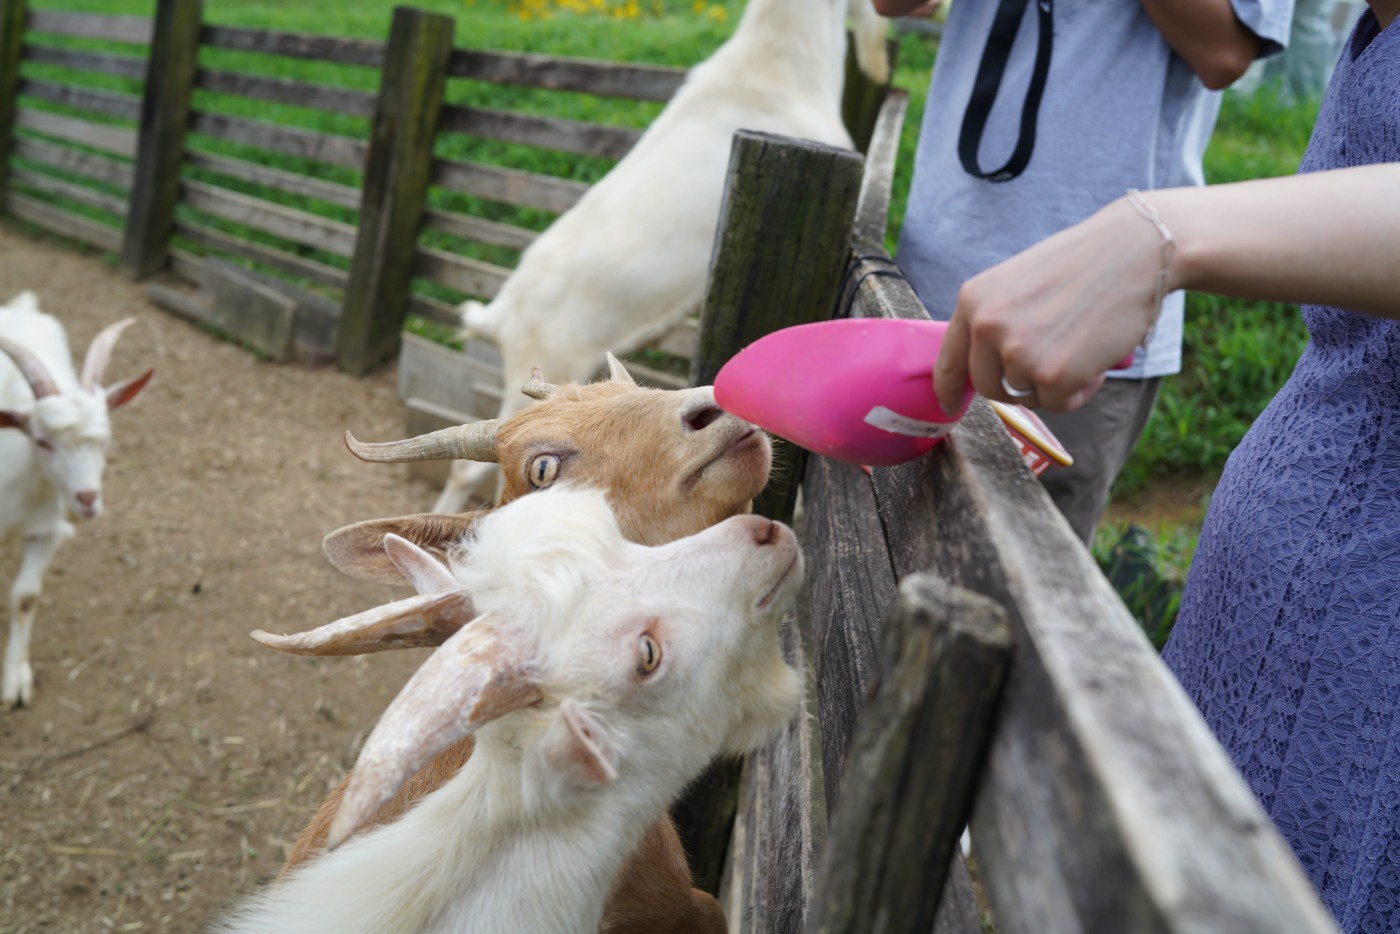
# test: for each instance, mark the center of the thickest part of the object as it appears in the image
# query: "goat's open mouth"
(747, 439)
(778, 585)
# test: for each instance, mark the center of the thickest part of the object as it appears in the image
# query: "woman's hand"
(1054, 318)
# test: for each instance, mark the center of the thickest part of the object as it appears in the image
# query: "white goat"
(629, 260)
(52, 465)
(598, 676)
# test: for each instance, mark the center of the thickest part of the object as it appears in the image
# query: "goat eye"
(648, 654)
(544, 468)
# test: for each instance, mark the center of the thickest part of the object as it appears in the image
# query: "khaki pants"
(1099, 435)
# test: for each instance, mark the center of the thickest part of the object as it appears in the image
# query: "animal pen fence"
(963, 655)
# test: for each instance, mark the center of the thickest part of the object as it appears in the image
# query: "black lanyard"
(984, 90)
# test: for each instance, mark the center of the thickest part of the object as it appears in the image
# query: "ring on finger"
(1013, 392)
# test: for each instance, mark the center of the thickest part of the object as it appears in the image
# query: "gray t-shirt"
(1120, 110)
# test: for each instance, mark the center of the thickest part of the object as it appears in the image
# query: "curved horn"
(472, 679)
(100, 351)
(414, 622)
(473, 442)
(537, 388)
(618, 372)
(31, 367)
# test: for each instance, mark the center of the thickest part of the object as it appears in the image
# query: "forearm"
(1328, 238)
(1208, 35)
(892, 8)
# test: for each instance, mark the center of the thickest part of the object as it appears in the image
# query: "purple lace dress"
(1289, 633)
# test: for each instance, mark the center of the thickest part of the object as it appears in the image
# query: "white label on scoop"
(891, 421)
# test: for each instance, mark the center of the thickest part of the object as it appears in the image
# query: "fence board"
(64, 223)
(292, 183)
(12, 15)
(608, 79)
(100, 168)
(437, 310)
(482, 280)
(479, 229)
(575, 136)
(82, 194)
(107, 63)
(289, 141)
(287, 223)
(111, 103)
(295, 45)
(282, 91)
(509, 186)
(134, 29)
(289, 263)
(873, 210)
(113, 139)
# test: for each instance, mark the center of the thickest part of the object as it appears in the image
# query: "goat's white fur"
(51, 462)
(629, 260)
(517, 840)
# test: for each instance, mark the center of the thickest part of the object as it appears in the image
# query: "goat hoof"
(18, 687)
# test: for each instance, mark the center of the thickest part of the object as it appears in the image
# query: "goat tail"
(479, 320)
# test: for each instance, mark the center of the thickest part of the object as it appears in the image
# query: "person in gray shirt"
(1039, 113)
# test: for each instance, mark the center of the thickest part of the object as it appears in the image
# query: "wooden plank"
(575, 136)
(861, 98)
(111, 103)
(134, 29)
(282, 91)
(82, 194)
(287, 223)
(165, 113)
(509, 186)
(439, 311)
(290, 263)
(289, 141)
(100, 168)
(479, 229)
(12, 16)
(107, 63)
(256, 315)
(292, 183)
(916, 756)
(472, 276)
(608, 79)
(64, 223)
(1106, 800)
(437, 375)
(397, 172)
(873, 210)
(113, 139)
(780, 249)
(296, 45)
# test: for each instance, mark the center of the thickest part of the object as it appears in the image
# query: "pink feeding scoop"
(854, 389)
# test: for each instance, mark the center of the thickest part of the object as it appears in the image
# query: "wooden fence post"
(397, 170)
(12, 16)
(160, 149)
(780, 251)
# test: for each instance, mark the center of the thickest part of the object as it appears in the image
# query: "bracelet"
(1159, 284)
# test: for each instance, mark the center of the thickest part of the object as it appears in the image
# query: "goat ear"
(577, 746)
(426, 573)
(9, 419)
(119, 394)
(358, 549)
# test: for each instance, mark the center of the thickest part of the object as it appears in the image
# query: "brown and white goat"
(673, 464)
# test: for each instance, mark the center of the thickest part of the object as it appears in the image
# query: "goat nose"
(86, 497)
(700, 418)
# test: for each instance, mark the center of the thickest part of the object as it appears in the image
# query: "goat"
(51, 466)
(599, 677)
(629, 260)
(673, 464)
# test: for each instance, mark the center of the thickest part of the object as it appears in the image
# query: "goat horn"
(537, 388)
(100, 352)
(472, 679)
(425, 620)
(618, 372)
(31, 367)
(474, 442)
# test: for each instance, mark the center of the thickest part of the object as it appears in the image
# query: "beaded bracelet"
(1159, 284)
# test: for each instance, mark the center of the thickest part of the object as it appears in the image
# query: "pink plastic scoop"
(855, 389)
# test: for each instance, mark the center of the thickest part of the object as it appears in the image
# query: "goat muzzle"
(474, 442)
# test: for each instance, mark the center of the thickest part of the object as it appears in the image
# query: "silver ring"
(1013, 392)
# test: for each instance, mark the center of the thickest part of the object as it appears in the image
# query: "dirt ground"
(168, 760)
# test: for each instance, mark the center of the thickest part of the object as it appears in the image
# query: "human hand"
(1055, 317)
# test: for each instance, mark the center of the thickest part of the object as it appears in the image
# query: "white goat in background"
(51, 466)
(629, 260)
(598, 676)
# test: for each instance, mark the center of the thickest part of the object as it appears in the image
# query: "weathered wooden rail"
(965, 660)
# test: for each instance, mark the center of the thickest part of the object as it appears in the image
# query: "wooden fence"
(964, 660)
(389, 196)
